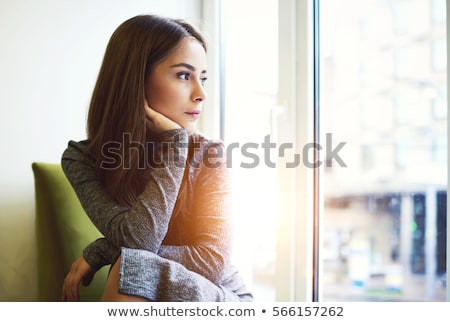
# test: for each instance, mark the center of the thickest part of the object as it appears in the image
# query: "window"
(383, 235)
(374, 226)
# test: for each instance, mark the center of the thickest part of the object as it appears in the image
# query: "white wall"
(50, 54)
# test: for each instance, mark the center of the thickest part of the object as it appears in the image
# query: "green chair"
(62, 229)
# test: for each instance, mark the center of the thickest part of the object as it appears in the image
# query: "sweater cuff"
(100, 253)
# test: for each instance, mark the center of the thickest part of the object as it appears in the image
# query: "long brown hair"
(117, 106)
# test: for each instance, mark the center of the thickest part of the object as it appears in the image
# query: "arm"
(143, 226)
(208, 243)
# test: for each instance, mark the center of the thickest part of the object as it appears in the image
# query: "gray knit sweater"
(169, 252)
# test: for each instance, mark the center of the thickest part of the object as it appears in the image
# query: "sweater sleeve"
(209, 249)
(100, 253)
(144, 225)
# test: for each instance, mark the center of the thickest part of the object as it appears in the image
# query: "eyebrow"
(188, 66)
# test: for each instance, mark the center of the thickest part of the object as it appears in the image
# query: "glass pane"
(250, 70)
(384, 103)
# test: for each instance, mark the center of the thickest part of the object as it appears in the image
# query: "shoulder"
(203, 143)
(209, 166)
(207, 150)
(207, 155)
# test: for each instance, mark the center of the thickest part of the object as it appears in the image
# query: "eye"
(203, 80)
(184, 75)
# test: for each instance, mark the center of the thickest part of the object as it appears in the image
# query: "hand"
(157, 122)
(80, 272)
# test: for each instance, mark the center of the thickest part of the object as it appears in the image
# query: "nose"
(198, 93)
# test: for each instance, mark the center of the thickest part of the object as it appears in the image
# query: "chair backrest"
(62, 229)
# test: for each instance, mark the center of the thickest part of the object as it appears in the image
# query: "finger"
(74, 288)
(66, 289)
(71, 285)
(73, 295)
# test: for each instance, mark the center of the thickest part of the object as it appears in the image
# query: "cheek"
(155, 94)
(164, 93)
(170, 95)
(164, 99)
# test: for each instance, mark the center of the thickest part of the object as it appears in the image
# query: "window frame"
(448, 139)
(296, 278)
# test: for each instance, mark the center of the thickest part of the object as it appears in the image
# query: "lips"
(194, 113)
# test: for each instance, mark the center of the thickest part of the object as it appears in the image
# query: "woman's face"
(175, 87)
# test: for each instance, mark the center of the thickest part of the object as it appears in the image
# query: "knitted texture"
(173, 249)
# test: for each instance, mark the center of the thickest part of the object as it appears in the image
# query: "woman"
(154, 187)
